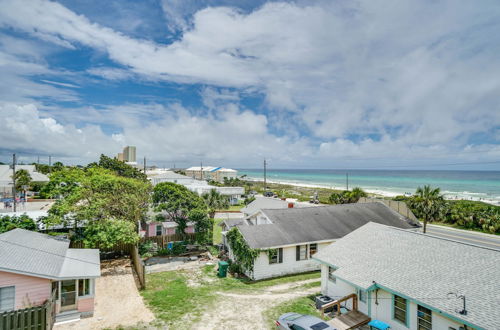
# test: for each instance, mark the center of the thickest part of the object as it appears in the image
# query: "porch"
(351, 319)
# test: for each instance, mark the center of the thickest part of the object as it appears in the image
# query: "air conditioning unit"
(322, 300)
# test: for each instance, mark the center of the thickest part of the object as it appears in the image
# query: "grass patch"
(303, 305)
(217, 231)
(171, 298)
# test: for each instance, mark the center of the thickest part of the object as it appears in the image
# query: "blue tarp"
(379, 324)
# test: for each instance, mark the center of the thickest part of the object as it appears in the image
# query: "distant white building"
(199, 186)
(6, 177)
(211, 173)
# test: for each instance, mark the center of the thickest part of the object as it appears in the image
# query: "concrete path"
(465, 236)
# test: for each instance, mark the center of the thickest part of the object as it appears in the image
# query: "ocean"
(471, 185)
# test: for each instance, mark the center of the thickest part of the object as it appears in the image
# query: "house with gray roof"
(262, 202)
(411, 280)
(288, 238)
(34, 266)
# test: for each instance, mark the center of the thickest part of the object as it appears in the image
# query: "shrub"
(235, 267)
(146, 248)
(178, 248)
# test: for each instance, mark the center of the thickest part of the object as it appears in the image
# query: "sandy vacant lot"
(117, 302)
(246, 311)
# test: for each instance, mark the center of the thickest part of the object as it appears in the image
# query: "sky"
(304, 84)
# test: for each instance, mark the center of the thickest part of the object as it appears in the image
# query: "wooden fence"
(32, 318)
(125, 249)
(139, 266)
(397, 206)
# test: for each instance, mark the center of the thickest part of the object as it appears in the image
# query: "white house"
(288, 238)
(262, 202)
(211, 173)
(411, 280)
(198, 186)
(6, 177)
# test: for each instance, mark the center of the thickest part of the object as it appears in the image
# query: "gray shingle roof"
(264, 203)
(423, 267)
(31, 253)
(321, 223)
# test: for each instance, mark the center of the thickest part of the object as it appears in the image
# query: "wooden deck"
(349, 320)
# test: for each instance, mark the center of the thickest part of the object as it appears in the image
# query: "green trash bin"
(223, 265)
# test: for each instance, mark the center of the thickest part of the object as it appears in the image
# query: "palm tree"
(23, 180)
(215, 201)
(428, 202)
(356, 194)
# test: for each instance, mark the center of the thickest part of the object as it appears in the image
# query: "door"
(68, 295)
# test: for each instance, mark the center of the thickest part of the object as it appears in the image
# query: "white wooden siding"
(262, 268)
(383, 310)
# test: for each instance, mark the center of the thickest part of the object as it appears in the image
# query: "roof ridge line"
(440, 238)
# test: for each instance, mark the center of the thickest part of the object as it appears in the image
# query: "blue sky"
(305, 84)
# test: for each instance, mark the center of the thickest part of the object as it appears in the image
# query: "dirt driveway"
(246, 311)
(117, 301)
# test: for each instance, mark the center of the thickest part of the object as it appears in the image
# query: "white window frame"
(13, 301)
(315, 244)
(301, 249)
(156, 230)
(279, 256)
(331, 277)
(91, 288)
(362, 295)
(421, 319)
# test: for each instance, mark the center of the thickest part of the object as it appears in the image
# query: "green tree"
(10, 222)
(119, 167)
(23, 180)
(57, 166)
(180, 204)
(347, 196)
(215, 201)
(428, 203)
(63, 182)
(111, 206)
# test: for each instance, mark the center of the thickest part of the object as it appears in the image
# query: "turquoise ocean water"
(476, 185)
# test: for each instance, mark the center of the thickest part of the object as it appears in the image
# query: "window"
(362, 295)
(83, 287)
(275, 256)
(424, 318)
(7, 298)
(158, 230)
(331, 277)
(296, 327)
(301, 252)
(400, 308)
(313, 248)
(55, 287)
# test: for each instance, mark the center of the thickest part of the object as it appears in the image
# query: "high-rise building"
(129, 154)
(120, 157)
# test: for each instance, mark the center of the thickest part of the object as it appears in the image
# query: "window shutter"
(297, 253)
(280, 255)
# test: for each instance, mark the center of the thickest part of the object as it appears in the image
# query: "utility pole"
(347, 180)
(265, 174)
(144, 164)
(201, 170)
(14, 181)
(50, 164)
(38, 160)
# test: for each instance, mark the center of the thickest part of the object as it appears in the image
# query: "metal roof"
(264, 203)
(321, 223)
(35, 254)
(422, 267)
(6, 174)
